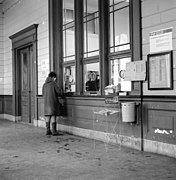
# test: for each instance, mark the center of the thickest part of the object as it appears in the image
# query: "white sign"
(161, 40)
(135, 71)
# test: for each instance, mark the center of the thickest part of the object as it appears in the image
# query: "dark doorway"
(24, 46)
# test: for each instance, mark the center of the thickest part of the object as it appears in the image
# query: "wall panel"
(6, 105)
(160, 121)
(8, 109)
(1, 104)
(80, 113)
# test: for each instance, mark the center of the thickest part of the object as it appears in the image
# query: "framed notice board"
(160, 71)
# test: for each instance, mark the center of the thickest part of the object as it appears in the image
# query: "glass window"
(91, 77)
(91, 28)
(69, 79)
(82, 55)
(68, 31)
(68, 46)
(119, 25)
(118, 67)
(91, 47)
(119, 42)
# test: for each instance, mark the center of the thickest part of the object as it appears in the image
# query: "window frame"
(86, 58)
(56, 52)
(71, 25)
(85, 26)
(113, 19)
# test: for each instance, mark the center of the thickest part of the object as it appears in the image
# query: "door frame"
(24, 38)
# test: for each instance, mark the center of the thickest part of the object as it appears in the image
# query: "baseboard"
(39, 123)
(160, 148)
(10, 117)
(103, 136)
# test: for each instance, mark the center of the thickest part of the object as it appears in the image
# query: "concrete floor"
(26, 153)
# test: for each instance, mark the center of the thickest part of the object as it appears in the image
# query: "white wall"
(19, 14)
(1, 54)
(157, 15)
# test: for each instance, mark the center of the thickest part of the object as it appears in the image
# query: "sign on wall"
(135, 71)
(160, 71)
(44, 68)
(160, 40)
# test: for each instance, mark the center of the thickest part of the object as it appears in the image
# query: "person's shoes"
(54, 131)
(48, 131)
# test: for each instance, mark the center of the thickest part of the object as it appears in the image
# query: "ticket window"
(118, 68)
(92, 78)
(69, 79)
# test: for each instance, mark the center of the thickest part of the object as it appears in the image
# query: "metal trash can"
(128, 112)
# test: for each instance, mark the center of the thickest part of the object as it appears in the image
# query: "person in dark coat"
(51, 104)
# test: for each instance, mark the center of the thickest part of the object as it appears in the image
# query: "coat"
(51, 92)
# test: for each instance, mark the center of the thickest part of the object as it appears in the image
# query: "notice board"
(135, 71)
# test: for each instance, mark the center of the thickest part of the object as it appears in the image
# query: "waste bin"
(128, 112)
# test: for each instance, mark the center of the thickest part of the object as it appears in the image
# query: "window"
(119, 43)
(119, 25)
(118, 67)
(69, 79)
(91, 77)
(91, 28)
(85, 53)
(68, 31)
(91, 47)
(68, 46)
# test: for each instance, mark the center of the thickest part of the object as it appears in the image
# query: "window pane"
(69, 79)
(91, 77)
(122, 28)
(112, 40)
(68, 11)
(119, 26)
(68, 30)
(91, 28)
(117, 1)
(118, 67)
(90, 6)
(69, 45)
(91, 40)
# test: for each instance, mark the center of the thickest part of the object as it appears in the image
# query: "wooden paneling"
(160, 120)
(80, 113)
(6, 105)
(1, 104)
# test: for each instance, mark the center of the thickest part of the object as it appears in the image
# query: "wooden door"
(27, 85)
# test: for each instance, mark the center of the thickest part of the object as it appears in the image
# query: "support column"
(55, 38)
(104, 43)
